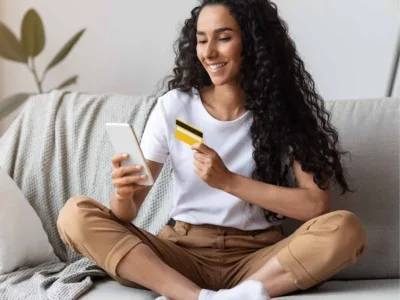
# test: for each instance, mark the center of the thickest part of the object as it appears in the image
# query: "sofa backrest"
(369, 130)
(58, 147)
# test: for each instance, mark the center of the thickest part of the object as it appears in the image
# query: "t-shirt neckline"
(211, 119)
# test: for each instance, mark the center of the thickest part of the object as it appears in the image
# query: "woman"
(268, 151)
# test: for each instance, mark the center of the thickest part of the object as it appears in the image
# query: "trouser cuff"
(299, 274)
(118, 251)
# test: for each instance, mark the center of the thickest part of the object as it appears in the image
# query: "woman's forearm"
(296, 203)
(124, 210)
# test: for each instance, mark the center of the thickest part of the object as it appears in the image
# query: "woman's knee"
(352, 230)
(74, 217)
(352, 224)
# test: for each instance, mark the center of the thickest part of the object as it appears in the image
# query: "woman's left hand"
(210, 167)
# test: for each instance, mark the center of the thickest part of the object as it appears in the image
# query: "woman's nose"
(210, 50)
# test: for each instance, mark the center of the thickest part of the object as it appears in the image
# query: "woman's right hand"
(124, 178)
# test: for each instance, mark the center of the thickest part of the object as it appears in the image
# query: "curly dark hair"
(289, 118)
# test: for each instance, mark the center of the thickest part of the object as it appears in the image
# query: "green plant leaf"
(9, 104)
(70, 81)
(32, 34)
(65, 50)
(10, 47)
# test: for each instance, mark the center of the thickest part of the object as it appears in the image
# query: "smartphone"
(124, 140)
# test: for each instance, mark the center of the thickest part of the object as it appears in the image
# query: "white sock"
(162, 298)
(206, 294)
(249, 290)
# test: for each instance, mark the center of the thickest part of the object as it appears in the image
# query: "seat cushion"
(332, 290)
(110, 289)
(388, 289)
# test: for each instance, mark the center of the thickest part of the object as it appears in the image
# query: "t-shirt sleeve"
(154, 141)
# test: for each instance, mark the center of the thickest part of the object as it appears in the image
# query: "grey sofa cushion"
(369, 130)
(332, 290)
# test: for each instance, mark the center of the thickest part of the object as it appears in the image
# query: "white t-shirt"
(195, 201)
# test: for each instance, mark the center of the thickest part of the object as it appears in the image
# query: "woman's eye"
(202, 42)
(225, 39)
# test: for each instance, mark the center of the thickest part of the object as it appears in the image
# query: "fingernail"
(138, 167)
(124, 155)
(143, 176)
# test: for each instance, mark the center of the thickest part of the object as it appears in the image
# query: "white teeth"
(215, 67)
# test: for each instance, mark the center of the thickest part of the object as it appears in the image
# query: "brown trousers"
(216, 257)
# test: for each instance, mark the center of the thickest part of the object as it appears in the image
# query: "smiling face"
(219, 44)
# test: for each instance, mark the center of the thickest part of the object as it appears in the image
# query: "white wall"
(396, 89)
(348, 45)
(396, 86)
(126, 48)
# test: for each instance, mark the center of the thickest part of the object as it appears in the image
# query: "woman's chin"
(223, 81)
(218, 81)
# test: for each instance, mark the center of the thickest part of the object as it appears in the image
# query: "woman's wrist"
(229, 182)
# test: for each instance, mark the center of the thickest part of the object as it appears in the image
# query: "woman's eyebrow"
(219, 30)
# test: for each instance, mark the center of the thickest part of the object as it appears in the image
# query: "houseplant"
(25, 50)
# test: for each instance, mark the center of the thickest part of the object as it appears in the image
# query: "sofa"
(57, 147)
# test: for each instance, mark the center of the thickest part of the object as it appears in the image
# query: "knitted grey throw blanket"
(57, 147)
